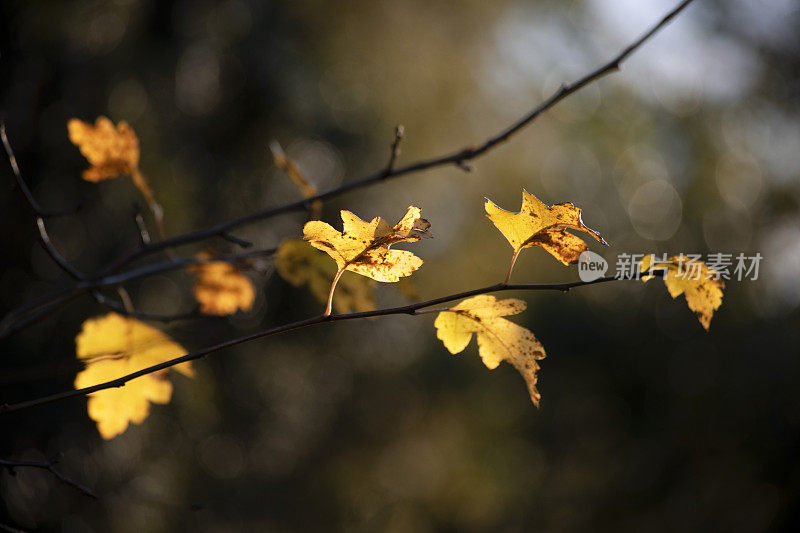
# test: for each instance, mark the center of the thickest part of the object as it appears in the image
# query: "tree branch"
(39, 213)
(457, 158)
(411, 309)
(11, 464)
(26, 315)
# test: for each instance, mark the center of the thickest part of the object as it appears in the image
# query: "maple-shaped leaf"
(537, 224)
(299, 263)
(221, 288)
(112, 346)
(498, 339)
(365, 247)
(112, 151)
(700, 284)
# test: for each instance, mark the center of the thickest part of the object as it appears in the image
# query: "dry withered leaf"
(537, 224)
(365, 247)
(697, 282)
(498, 339)
(221, 288)
(299, 263)
(112, 346)
(112, 151)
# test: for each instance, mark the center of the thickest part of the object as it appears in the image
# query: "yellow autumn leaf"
(221, 288)
(697, 282)
(112, 151)
(364, 247)
(498, 339)
(300, 264)
(112, 346)
(537, 224)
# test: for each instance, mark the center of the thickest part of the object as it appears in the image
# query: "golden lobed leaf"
(498, 339)
(112, 346)
(697, 282)
(364, 247)
(112, 151)
(299, 263)
(536, 224)
(221, 288)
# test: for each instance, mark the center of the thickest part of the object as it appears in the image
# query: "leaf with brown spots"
(365, 247)
(112, 346)
(221, 288)
(498, 339)
(300, 264)
(536, 224)
(700, 284)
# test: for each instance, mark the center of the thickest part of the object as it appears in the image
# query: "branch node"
(463, 165)
(236, 240)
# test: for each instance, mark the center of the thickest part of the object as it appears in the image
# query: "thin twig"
(38, 212)
(24, 316)
(399, 134)
(11, 464)
(144, 234)
(411, 309)
(458, 158)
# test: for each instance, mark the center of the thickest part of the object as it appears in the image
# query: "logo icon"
(591, 266)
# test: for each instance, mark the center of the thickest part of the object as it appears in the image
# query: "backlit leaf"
(536, 224)
(112, 151)
(220, 288)
(112, 346)
(699, 284)
(364, 247)
(498, 339)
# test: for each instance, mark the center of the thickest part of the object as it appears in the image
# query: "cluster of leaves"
(113, 345)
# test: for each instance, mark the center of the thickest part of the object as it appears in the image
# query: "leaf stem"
(329, 308)
(511, 266)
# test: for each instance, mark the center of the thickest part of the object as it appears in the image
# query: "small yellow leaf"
(498, 339)
(220, 288)
(364, 247)
(112, 151)
(298, 263)
(536, 224)
(112, 346)
(699, 284)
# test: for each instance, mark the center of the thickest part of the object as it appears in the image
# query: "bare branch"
(39, 213)
(458, 158)
(26, 315)
(399, 133)
(411, 309)
(11, 464)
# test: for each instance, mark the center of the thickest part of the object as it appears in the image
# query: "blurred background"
(647, 422)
